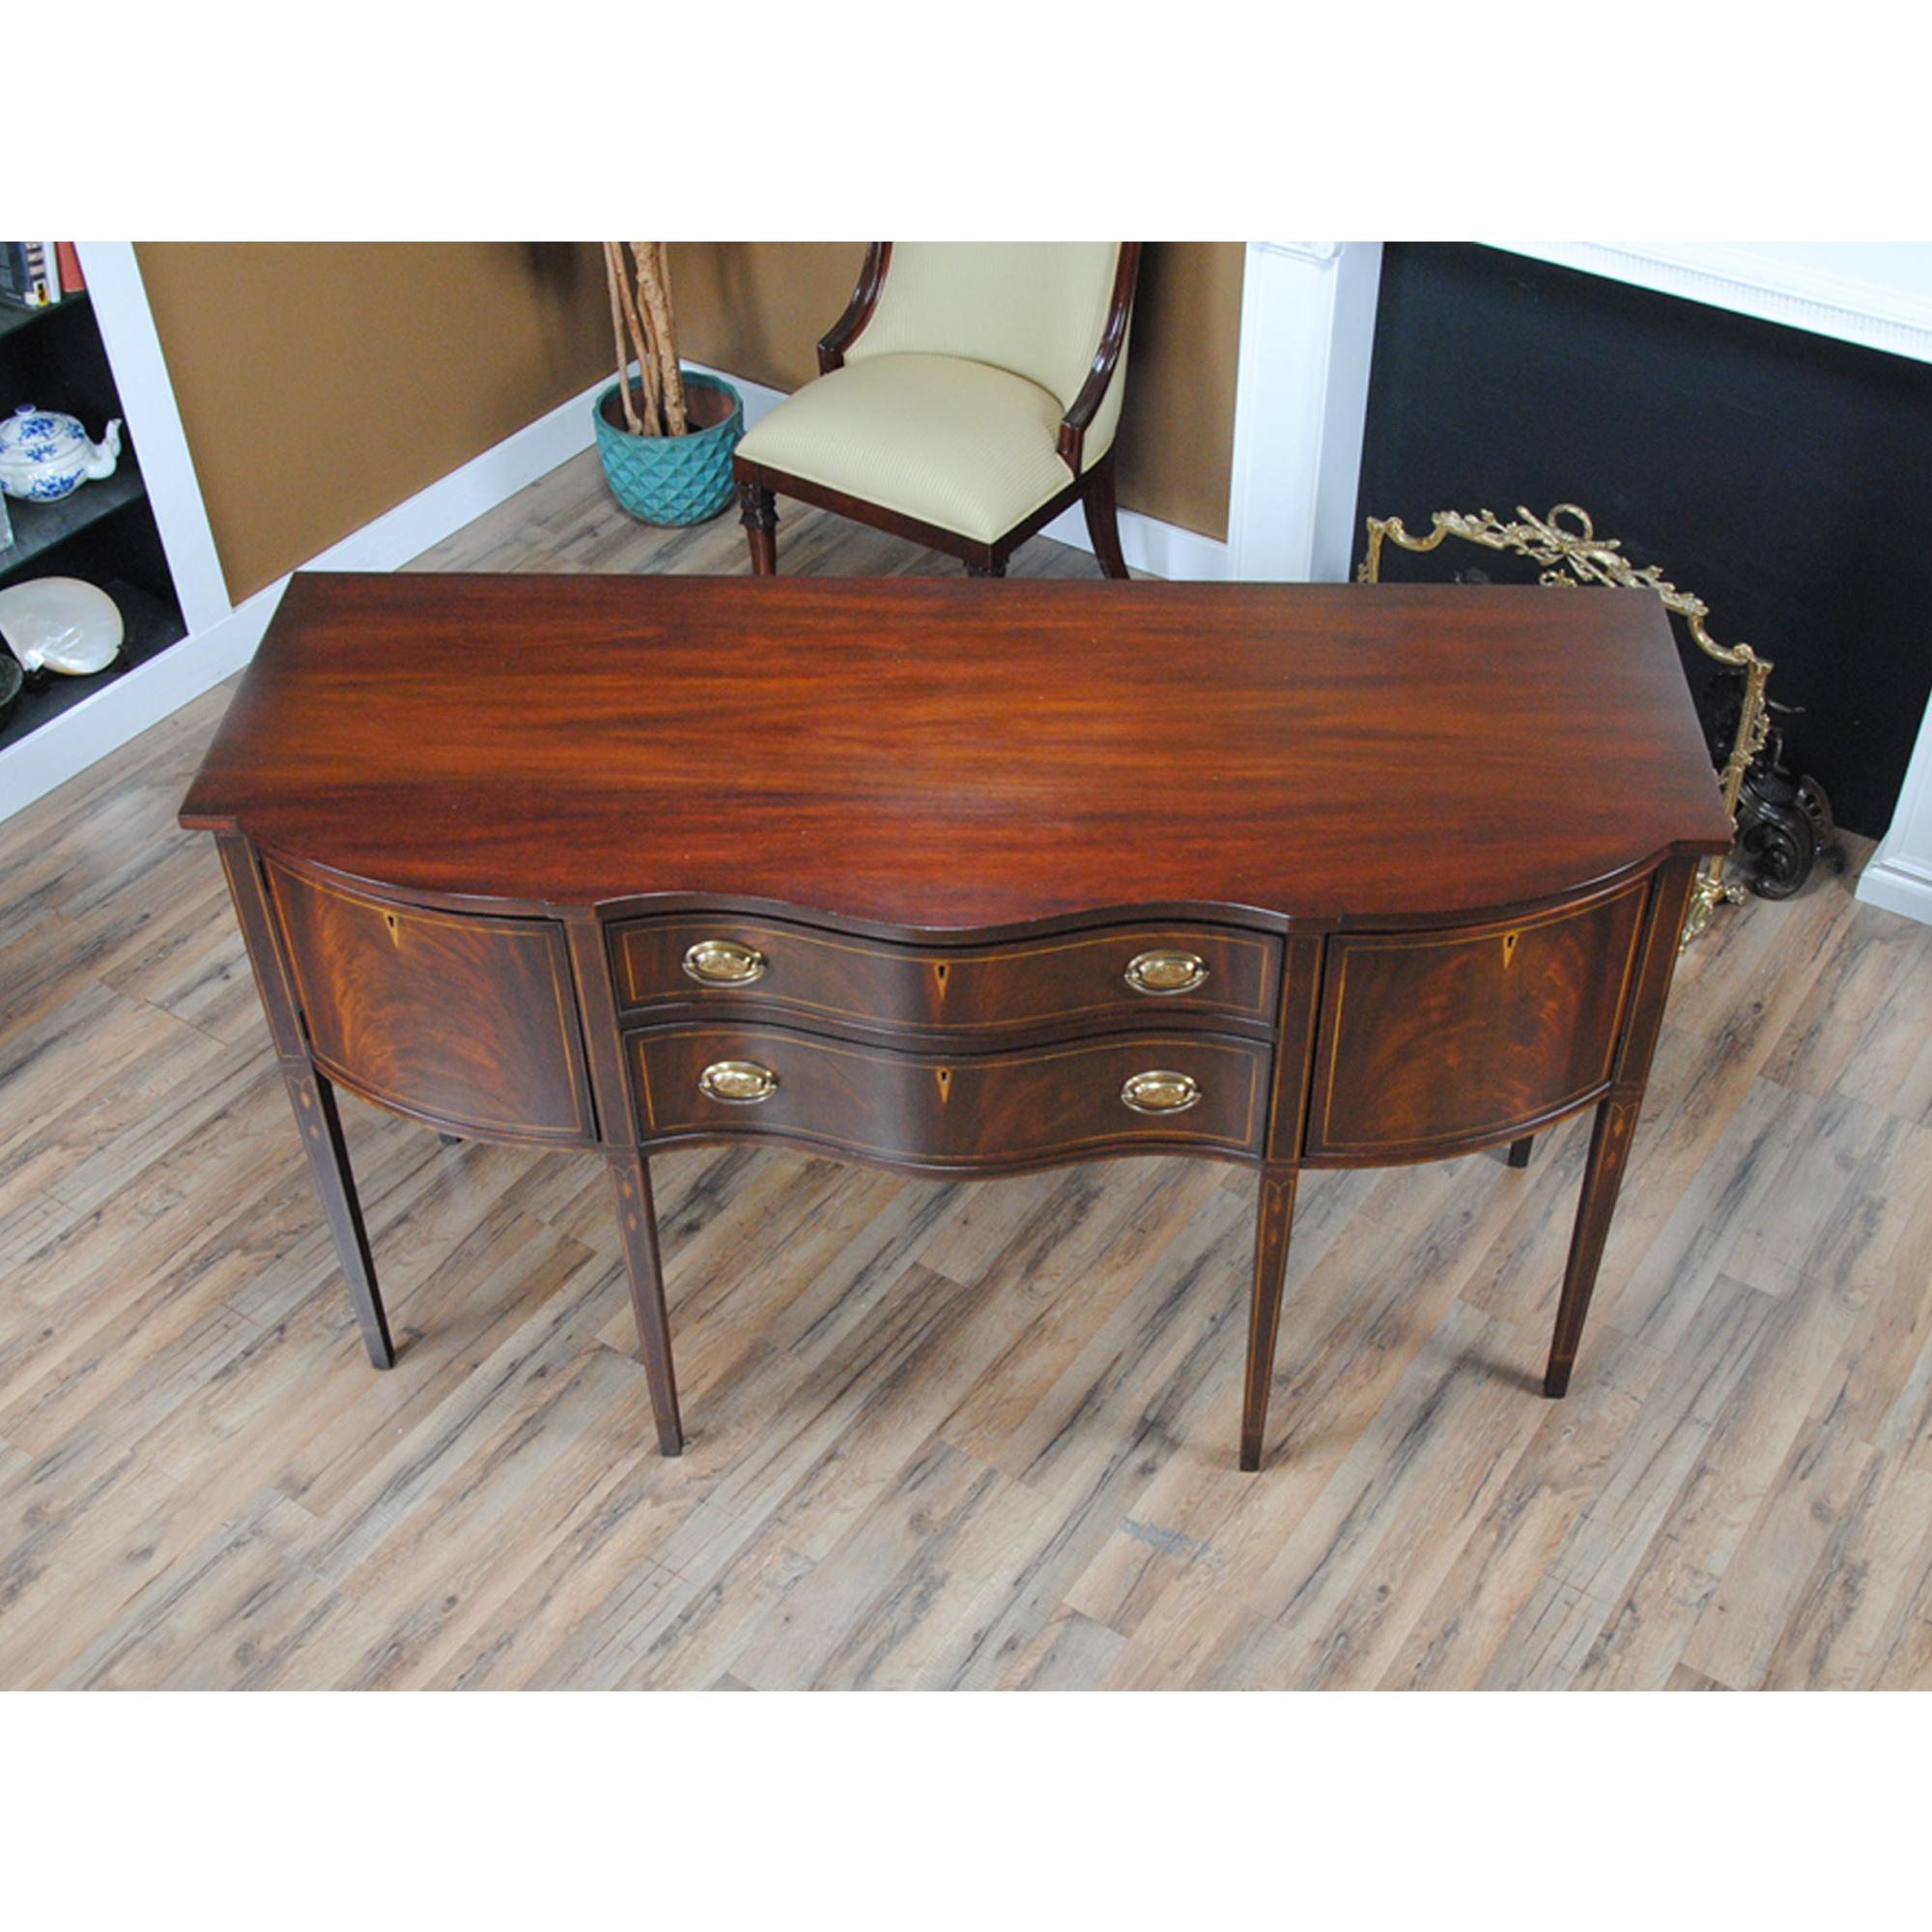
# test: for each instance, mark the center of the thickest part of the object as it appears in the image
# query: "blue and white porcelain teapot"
(46, 455)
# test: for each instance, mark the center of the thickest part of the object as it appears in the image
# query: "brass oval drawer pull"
(1160, 1093)
(1166, 970)
(740, 1082)
(723, 962)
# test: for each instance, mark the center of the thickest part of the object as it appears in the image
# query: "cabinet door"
(1435, 1042)
(468, 1023)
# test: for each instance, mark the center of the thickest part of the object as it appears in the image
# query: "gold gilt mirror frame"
(1566, 544)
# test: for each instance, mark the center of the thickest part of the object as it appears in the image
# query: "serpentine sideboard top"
(1323, 755)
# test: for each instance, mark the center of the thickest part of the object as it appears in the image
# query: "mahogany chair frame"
(1093, 489)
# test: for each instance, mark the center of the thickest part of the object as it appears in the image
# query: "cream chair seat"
(870, 430)
(970, 392)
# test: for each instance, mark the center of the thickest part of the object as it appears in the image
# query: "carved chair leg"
(1103, 523)
(759, 513)
(1520, 1150)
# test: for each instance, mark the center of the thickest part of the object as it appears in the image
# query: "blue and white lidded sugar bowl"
(46, 455)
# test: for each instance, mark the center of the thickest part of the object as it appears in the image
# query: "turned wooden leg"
(1520, 1150)
(637, 1216)
(1103, 523)
(316, 1113)
(759, 513)
(1603, 1176)
(1272, 1218)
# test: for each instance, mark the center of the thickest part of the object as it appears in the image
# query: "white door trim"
(1308, 322)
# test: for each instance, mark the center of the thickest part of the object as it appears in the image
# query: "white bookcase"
(127, 702)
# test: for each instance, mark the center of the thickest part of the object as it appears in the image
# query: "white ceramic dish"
(61, 623)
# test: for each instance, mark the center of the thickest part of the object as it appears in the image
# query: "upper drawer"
(1128, 972)
(1434, 1041)
(468, 1022)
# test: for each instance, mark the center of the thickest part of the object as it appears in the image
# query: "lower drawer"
(1161, 1089)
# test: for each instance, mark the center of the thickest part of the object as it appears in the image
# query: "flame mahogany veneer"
(963, 877)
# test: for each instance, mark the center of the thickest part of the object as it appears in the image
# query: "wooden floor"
(942, 1434)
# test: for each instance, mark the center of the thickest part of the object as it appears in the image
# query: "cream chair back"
(1037, 309)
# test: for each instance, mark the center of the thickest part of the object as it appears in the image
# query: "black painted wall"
(1784, 478)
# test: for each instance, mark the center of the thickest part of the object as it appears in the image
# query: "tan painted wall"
(757, 309)
(322, 384)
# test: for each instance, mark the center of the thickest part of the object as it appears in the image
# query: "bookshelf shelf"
(151, 626)
(39, 527)
(13, 319)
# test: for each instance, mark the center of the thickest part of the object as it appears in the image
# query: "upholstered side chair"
(969, 393)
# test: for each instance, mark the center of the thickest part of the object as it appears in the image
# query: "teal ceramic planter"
(672, 479)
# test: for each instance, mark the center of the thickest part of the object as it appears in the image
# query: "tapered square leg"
(1519, 1155)
(1603, 1176)
(1273, 1216)
(637, 1217)
(1616, 1117)
(321, 1122)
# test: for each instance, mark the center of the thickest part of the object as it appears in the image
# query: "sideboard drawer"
(990, 1109)
(467, 1022)
(1111, 976)
(1433, 1041)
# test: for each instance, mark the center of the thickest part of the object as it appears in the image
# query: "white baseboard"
(129, 704)
(1896, 885)
(485, 481)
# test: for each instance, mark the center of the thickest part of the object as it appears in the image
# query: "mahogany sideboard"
(963, 879)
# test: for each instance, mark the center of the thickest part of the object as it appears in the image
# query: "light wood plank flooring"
(942, 1435)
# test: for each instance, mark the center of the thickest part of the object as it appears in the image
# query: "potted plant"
(667, 438)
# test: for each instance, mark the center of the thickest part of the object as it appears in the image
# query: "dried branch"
(613, 276)
(656, 302)
(645, 328)
(645, 349)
